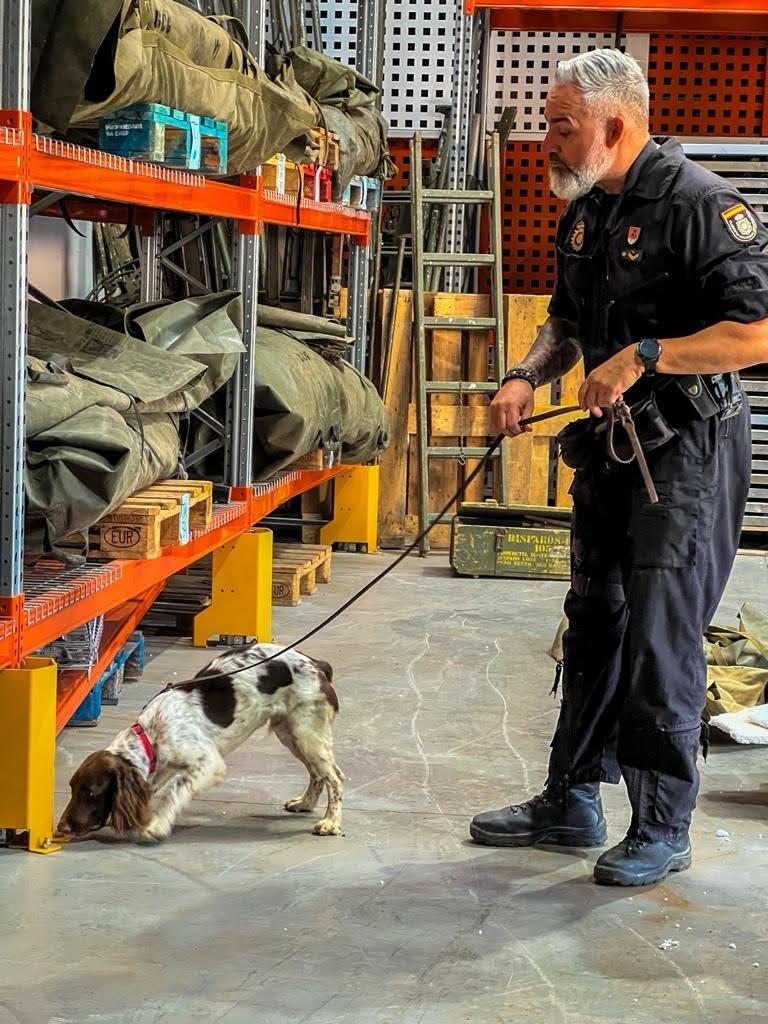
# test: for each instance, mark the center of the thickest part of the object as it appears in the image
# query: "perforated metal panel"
(708, 85)
(418, 58)
(338, 23)
(522, 69)
(711, 86)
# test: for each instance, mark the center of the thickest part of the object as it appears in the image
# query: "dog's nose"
(63, 828)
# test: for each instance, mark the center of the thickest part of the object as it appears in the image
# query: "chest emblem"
(576, 240)
(633, 234)
(740, 222)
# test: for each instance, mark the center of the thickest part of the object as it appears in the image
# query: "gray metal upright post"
(14, 234)
(357, 303)
(462, 89)
(151, 288)
(246, 276)
(369, 62)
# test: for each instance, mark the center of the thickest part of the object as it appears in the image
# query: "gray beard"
(572, 184)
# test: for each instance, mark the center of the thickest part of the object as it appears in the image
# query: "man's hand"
(513, 403)
(608, 382)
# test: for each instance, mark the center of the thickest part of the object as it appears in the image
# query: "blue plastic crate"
(152, 132)
(128, 663)
(89, 712)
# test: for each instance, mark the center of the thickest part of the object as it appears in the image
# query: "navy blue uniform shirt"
(678, 250)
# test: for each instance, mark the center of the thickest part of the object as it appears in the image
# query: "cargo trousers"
(646, 581)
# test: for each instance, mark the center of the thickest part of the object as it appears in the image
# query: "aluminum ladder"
(421, 197)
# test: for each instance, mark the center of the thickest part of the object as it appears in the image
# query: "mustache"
(555, 161)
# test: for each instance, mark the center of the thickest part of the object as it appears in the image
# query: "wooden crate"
(282, 176)
(531, 472)
(158, 517)
(297, 569)
(328, 145)
(311, 460)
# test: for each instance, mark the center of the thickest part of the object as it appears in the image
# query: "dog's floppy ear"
(325, 668)
(132, 796)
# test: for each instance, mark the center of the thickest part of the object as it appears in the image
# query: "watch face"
(649, 348)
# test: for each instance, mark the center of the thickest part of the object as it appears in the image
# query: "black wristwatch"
(649, 353)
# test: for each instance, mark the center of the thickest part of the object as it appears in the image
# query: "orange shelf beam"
(732, 16)
(101, 179)
(58, 599)
(63, 167)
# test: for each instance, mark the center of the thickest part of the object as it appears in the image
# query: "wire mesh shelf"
(112, 162)
(222, 514)
(279, 198)
(78, 649)
(11, 136)
(50, 587)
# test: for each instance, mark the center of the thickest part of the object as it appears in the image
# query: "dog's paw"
(151, 836)
(327, 827)
(298, 806)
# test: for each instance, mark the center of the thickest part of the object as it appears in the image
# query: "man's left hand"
(608, 382)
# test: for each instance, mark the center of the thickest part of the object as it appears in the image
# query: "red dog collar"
(146, 743)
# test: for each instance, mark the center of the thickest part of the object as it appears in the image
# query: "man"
(662, 276)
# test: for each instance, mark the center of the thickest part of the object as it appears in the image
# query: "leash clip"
(620, 411)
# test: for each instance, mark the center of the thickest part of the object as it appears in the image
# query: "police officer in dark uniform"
(663, 289)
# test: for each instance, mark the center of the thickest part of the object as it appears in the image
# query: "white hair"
(610, 80)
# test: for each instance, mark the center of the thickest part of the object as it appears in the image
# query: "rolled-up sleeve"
(724, 247)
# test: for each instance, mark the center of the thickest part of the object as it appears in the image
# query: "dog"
(143, 780)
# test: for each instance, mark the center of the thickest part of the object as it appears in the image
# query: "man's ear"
(615, 128)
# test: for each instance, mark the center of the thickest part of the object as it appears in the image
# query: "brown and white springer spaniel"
(176, 749)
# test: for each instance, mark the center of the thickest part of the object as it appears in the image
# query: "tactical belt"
(699, 396)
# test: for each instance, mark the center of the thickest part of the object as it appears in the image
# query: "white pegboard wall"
(418, 61)
(418, 58)
(522, 67)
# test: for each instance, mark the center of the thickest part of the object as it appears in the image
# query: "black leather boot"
(560, 816)
(639, 861)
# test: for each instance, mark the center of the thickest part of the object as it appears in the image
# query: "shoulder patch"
(740, 222)
(576, 237)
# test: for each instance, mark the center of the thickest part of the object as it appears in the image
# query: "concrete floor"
(244, 916)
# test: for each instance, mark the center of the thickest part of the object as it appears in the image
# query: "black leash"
(560, 411)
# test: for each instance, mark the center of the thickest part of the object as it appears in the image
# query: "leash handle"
(559, 411)
(625, 418)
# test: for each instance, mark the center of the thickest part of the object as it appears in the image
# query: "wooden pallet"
(311, 460)
(160, 516)
(534, 476)
(297, 569)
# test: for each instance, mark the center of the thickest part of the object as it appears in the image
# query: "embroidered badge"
(740, 222)
(576, 240)
(633, 234)
(632, 255)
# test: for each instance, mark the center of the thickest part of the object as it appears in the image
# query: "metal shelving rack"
(49, 600)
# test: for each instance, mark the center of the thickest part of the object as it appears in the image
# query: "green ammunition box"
(519, 541)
